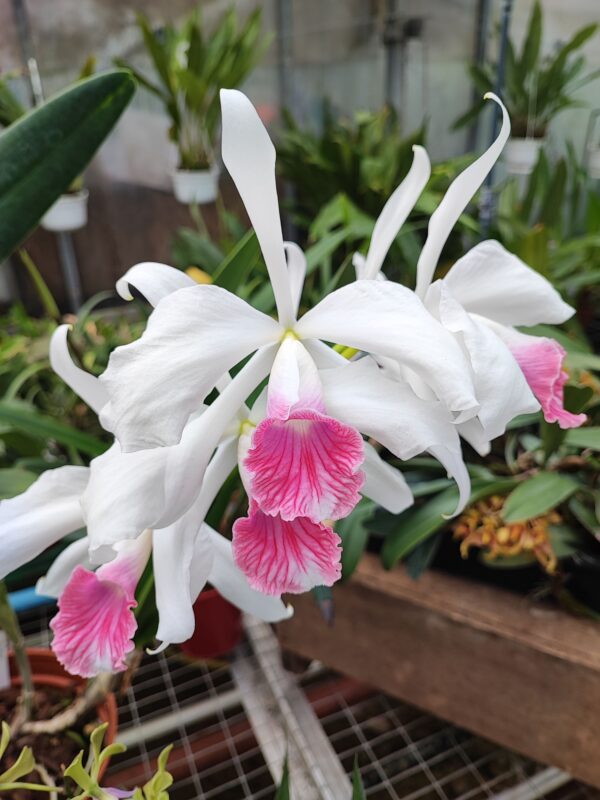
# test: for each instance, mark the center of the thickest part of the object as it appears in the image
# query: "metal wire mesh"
(402, 753)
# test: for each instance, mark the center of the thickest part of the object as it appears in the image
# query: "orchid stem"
(10, 624)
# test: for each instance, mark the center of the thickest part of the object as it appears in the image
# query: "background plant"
(537, 87)
(192, 65)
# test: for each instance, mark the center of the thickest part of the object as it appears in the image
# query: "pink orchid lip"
(306, 465)
(278, 555)
(95, 624)
(541, 360)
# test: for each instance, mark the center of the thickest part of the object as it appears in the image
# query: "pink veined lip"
(278, 555)
(305, 466)
(542, 364)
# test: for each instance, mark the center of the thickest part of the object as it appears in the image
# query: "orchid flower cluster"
(303, 424)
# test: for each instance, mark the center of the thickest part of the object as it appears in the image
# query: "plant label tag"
(4, 668)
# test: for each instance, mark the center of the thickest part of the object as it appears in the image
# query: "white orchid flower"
(483, 296)
(95, 623)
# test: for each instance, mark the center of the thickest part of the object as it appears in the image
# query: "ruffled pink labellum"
(280, 555)
(541, 361)
(305, 466)
(302, 462)
(95, 624)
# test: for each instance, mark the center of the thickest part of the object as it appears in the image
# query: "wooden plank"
(520, 673)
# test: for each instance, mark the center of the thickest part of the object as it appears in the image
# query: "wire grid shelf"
(402, 753)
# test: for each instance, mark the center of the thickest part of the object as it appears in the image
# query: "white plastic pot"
(594, 162)
(69, 213)
(520, 154)
(196, 185)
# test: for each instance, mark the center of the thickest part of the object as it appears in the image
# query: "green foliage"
(537, 87)
(537, 495)
(358, 792)
(44, 151)
(283, 790)
(192, 65)
(364, 158)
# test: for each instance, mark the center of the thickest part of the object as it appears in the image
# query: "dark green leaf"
(584, 438)
(537, 495)
(26, 419)
(237, 265)
(421, 557)
(354, 533)
(44, 151)
(283, 790)
(358, 792)
(416, 525)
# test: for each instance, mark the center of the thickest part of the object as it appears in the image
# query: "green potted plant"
(537, 88)
(192, 65)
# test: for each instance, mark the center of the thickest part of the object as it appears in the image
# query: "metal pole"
(70, 271)
(483, 25)
(486, 212)
(392, 41)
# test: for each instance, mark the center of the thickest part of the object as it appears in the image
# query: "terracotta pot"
(196, 185)
(218, 627)
(520, 154)
(48, 672)
(68, 213)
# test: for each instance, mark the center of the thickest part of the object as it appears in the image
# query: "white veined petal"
(296, 263)
(387, 410)
(472, 432)
(192, 338)
(233, 586)
(129, 492)
(87, 386)
(384, 318)
(153, 280)
(500, 386)
(249, 155)
(384, 484)
(451, 458)
(47, 511)
(59, 574)
(396, 211)
(173, 560)
(493, 283)
(459, 195)
(294, 380)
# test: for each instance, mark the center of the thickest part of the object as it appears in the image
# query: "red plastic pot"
(46, 671)
(218, 627)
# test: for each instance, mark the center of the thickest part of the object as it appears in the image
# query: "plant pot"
(196, 185)
(69, 213)
(521, 154)
(218, 627)
(594, 162)
(47, 671)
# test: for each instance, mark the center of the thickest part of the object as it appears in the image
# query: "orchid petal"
(43, 514)
(153, 280)
(541, 361)
(458, 196)
(396, 211)
(95, 624)
(87, 386)
(452, 460)
(390, 412)
(305, 466)
(249, 156)
(472, 432)
(296, 263)
(294, 381)
(232, 584)
(61, 569)
(192, 338)
(501, 389)
(280, 556)
(384, 484)
(493, 283)
(385, 318)
(183, 554)
(129, 492)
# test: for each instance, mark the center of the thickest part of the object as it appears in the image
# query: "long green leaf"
(26, 419)
(584, 437)
(42, 153)
(537, 495)
(415, 526)
(283, 791)
(358, 792)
